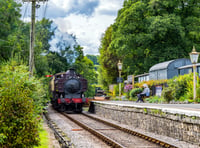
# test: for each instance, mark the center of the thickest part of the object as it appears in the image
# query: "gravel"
(79, 137)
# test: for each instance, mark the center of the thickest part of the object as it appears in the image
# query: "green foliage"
(45, 139)
(179, 85)
(21, 100)
(188, 95)
(56, 63)
(85, 67)
(135, 91)
(10, 18)
(167, 94)
(180, 89)
(149, 32)
(108, 61)
(151, 83)
(155, 99)
(93, 58)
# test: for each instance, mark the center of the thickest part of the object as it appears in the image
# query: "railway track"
(62, 138)
(114, 135)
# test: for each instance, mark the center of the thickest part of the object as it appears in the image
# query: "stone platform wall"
(175, 125)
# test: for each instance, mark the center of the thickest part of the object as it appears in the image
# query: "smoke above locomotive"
(67, 91)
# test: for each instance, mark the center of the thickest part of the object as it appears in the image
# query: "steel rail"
(154, 140)
(101, 136)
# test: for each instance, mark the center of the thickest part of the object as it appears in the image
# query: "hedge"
(21, 102)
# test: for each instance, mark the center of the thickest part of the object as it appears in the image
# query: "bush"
(154, 99)
(20, 103)
(181, 89)
(167, 94)
(135, 91)
(151, 83)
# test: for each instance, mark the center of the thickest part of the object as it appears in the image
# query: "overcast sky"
(86, 19)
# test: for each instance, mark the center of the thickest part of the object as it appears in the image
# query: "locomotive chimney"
(71, 71)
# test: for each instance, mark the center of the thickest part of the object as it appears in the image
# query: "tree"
(148, 32)
(108, 60)
(9, 21)
(93, 58)
(56, 63)
(85, 67)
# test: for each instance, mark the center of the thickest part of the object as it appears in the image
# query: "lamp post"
(194, 58)
(119, 65)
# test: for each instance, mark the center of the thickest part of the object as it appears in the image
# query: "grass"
(44, 138)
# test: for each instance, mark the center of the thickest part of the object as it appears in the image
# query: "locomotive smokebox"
(72, 86)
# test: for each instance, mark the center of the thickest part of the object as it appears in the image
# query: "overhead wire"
(25, 11)
(45, 10)
(20, 25)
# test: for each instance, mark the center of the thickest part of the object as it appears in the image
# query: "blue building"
(188, 69)
(168, 69)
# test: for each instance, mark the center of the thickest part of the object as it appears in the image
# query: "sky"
(86, 19)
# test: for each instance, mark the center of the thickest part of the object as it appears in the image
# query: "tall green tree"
(108, 60)
(9, 21)
(85, 67)
(93, 58)
(148, 32)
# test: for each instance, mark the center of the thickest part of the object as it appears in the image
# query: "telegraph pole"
(32, 36)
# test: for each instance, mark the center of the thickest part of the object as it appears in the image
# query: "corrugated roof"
(162, 65)
(188, 66)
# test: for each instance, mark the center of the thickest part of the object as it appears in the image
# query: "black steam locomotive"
(68, 91)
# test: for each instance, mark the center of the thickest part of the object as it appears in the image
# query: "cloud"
(54, 11)
(88, 30)
(107, 12)
(63, 8)
(85, 7)
(86, 19)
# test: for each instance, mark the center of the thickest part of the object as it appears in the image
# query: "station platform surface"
(187, 109)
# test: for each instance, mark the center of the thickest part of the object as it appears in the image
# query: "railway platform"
(178, 121)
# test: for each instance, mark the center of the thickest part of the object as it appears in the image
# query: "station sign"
(158, 90)
(130, 78)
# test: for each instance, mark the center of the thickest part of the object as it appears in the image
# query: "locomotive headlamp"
(119, 66)
(194, 56)
(194, 59)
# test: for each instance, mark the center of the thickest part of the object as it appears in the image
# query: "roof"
(162, 65)
(188, 66)
(145, 74)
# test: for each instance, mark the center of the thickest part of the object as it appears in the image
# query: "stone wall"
(175, 125)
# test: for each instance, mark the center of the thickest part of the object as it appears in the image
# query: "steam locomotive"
(67, 91)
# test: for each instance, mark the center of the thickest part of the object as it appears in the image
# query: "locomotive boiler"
(68, 91)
